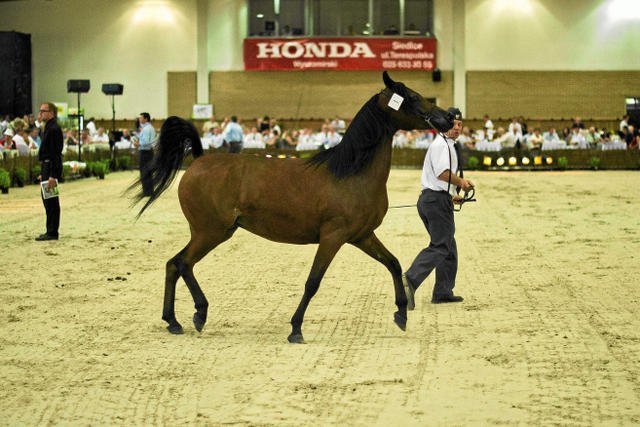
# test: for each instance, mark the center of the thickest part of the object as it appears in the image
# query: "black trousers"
(436, 211)
(235, 146)
(146, 156)
(52, 208)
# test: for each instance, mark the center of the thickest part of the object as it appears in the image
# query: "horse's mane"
(370, 127)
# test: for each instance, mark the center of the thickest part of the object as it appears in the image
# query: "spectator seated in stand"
(276, 140)
(551, 135)
(210, 124)
(213, 139)
(423, 139)
(593, 137)
(307, 141)
(331, 138)
(400, 139)
(339, 125)
(263, 125)
(34, 138)
(20, 143)
(253, 139)
(289, 140)
(534, 140)
(576, 139)
(466, 139)
(505, 139)
(91, 126)
(515, 129)
(70, 139)
(126, 141)
(100, 137)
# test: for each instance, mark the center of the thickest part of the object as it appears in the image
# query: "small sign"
(63, 110)
(202, 111)
(395, 102)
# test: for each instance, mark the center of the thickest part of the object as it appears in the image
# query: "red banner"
(362, 53)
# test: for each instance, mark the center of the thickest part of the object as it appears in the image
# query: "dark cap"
(457, 115)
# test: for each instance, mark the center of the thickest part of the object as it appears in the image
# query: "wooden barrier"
(402, 158)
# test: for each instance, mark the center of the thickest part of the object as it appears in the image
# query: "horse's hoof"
(198, 322)
(400, 320)
(296, 339)
(175, 328)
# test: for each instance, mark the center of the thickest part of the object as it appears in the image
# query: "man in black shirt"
(50, 156)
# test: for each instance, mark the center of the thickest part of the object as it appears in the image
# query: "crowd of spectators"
(266, 132)
(22, 135)
(576, 136)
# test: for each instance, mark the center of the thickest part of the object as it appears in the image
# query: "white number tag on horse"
(395, 102)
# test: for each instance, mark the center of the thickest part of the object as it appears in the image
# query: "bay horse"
(337, 196)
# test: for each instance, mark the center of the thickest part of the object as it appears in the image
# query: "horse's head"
(409, 110)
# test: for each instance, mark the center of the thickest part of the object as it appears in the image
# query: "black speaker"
(112, 88)
(78, 86)
(436, 75)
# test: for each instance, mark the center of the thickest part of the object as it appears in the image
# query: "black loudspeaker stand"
(79, 86)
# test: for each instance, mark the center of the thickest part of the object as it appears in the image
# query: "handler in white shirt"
(435, 206)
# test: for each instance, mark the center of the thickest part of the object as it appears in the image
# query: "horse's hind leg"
(374, 248)
(168, 310)
(182, 265)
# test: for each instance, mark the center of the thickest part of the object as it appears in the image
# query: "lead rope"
(467, 197)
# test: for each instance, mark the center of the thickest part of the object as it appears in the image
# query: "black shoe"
(409, 292)
(446, 298)
(45, 236)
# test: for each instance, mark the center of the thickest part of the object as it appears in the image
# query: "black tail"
(178, 137)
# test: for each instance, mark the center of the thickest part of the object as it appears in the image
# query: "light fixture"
(513, 161)
(500, 161)
(525, 161)
(260, 15)
(486, 161)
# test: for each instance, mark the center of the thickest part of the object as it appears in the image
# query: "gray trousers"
(436, 211)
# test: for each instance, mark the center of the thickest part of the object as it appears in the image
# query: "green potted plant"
(563, 162)
(88, 170)
(5, 181)
(124, 162)
(66, 172)
(99, 169)
(595, 163)
(473, 163)
(19, 177)
(35, 173)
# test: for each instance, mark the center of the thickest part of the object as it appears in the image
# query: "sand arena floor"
(548, 333)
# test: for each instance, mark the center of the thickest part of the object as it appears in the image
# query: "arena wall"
(312, 94)
(181, 92)
(550, 94)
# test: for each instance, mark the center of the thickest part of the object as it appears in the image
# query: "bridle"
(468, 196)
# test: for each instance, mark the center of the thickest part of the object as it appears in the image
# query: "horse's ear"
(387, 80)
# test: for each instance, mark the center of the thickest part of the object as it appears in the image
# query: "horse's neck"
(377, 173)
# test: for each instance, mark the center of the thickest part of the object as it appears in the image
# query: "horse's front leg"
(374, 248)
(325, 254)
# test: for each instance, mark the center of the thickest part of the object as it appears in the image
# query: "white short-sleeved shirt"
(440, 157)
